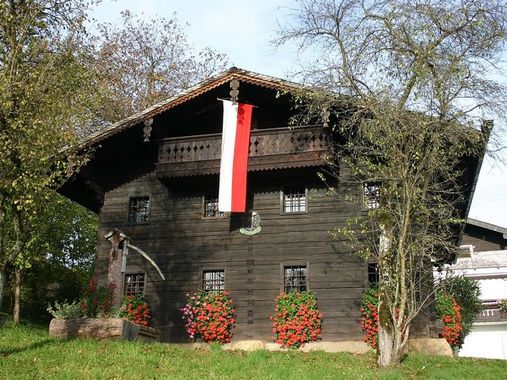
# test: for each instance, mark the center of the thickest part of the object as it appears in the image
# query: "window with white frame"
(133, 284)
(139, 210)
(371, 195)
(213, 280)
(373, 276)
(295, 278)
(294, 200)
(211, 207)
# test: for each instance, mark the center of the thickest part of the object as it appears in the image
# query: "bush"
(369, 316)
(466, 292)
(136, 309)
(449, 311)
(65, 310)
(209, 316)
(97, 301)
(297, 319)
(502, 304)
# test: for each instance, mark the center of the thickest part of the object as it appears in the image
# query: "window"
(213, 280)
(139, 209)
(295, 278)
(373, 274)
(371, 195)
(294, 200)
(134, 284)
(211, 207)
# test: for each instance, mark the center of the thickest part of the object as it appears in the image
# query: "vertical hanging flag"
(234, 159)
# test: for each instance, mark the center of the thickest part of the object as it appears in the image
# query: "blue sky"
(242, 30)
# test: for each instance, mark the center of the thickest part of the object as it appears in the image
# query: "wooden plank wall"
(183, 244)
(483, 239)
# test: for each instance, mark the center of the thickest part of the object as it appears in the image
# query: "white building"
(484, 258)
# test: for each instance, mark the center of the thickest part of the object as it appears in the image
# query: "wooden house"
(155, 176)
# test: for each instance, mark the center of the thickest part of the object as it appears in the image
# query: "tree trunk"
(392, 336)
(2, 285)
(17, 297)
(389, 347)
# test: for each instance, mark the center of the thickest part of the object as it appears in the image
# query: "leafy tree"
(466, 292)
(60, 257)
(57, 84)
(143, 62)
(46, 89)
(405, 85)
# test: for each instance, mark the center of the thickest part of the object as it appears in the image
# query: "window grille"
(294, 278)
(139, 209)
(213, 280)
(294, 200)
(211, 207)
(371, 192)
(134, 284)
(373, 276)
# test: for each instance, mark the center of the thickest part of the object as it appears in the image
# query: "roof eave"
(186, 95)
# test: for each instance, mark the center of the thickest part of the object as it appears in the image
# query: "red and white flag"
(234, 159)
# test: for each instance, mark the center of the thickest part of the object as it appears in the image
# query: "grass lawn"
(27, 352)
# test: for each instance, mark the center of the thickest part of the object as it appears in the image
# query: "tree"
(466, 292)
(60, 257)
(144, 62)
(46, 89)
(406, 83)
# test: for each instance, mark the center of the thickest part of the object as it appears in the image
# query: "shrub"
(297, 319)
(502, 304)
(97, 301)
(466, 292)
(65, 310)
(136, 309)
(449, 312)
(369, 316)
(209, 316)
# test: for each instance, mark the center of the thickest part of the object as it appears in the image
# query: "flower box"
(101, 328)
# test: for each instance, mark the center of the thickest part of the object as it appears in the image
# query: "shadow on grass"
(30, 347)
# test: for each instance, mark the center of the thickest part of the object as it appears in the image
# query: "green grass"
(27, 352)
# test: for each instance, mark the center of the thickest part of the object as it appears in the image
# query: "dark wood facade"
(484, 236)
(184, 244)
(179, 167)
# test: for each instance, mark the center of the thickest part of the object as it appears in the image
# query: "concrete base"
(101, 328)
(424, 346)
(355, 347)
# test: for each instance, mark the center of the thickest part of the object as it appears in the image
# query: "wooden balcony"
(491, 313)
(269, 149)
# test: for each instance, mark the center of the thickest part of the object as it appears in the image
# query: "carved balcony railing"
(491, 313)
(269, 149)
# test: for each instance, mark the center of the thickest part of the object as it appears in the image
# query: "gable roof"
(190, 93)
(488, 226)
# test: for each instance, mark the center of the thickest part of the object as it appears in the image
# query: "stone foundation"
(117, 328)
(101, 328)
(426, 346)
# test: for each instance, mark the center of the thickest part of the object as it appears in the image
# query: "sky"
(243, 30)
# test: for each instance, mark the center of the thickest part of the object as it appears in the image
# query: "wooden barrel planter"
(102, 328)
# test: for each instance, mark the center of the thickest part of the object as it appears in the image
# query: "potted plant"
(209, 316)
(297, 319)
(502, 305)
